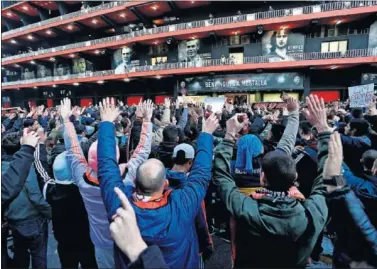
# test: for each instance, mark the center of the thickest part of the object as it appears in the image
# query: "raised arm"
(13, 179)
(193, 193)
(288, 140)
(75, 155)
(143, 149)
(108, 171)
(166, 114)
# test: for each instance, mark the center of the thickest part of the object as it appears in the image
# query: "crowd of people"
(128, 186)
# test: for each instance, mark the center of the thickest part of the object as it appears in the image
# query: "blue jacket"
(169, 221)
(353, 149)
(365, 188)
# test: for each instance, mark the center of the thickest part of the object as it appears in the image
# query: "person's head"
(81, 64)
(357, 113)
(80, 130)
(42, 70)
(357, 127)
(126, 55)
(92, 156)
(183, 155)
(368, 159)
(150, 178)
(281, 39)
(170, 134)
(296, 79)
(31, 124)
(192, 47)
(60, 70)
(279, 171)
(276, 132)
(183, 84)
(305, 130)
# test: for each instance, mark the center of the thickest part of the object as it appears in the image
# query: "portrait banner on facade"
(361, 96)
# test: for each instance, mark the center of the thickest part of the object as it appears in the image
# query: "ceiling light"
(339, 22)
(192, 2)
(76, 84)
(283, 27)
(32, 62)
(49, 32)
(94, 21)
(13, 41)
(72, 55)
(25, 8)
(96, 51)
(16, 65)
(156, 42)
(334, 67)
(126, 80)
(154, 7)
(193, 37)
(9, 14)
(54, 86)
(69, 27)
(235, 33)
(100, 81)
(35, 87)
(158, 77)
(52, 59)
(122, 15)
(30, 37)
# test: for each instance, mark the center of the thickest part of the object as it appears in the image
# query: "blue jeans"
(30, 236)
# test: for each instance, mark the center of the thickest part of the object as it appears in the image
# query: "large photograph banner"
(281, 45)
(242, 83)
(189, 51)
(123, 61)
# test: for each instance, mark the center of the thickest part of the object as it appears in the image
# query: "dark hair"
(180, 159)
(11, 144)
(277, 131)
(170, 134)
(124, 123)
(80, 128)
(357, 113)
(279, 169)
(361, 126)
(368, 158)
(306, 127)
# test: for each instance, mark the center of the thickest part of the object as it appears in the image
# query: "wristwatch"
(335, 181)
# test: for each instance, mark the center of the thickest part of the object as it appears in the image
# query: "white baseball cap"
(188, 149)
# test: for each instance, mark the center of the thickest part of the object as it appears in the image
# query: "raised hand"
(292, 104)
(139, 110)
(108, 110)
(65, 109)
(167, 103)
(124, 229)
(316, 113)
(147, 110)
(233, 126)
(30, 139)
(210, 125)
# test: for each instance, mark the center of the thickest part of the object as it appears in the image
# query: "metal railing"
(66, 16)
(206, 63)
(203, 23)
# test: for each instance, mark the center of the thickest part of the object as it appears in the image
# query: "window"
(334, 46)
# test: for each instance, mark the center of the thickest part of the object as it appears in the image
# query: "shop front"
(245, 88)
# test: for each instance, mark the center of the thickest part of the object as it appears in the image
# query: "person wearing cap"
(183, 158)
(69, 216)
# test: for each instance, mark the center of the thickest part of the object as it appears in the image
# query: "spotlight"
(168, 41)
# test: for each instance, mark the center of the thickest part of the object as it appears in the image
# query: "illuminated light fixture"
(35, 87)
(97, 52)
(339, 22)
(260, 29)
(158, 77)
(154, 7)
(16, 65)
(69, 27)
(94, 21)
(122, 15)
(192, 2)
(32, 62)
(49, 32)
(334, 67)
(193, 37)
(72, 55)
(30, 37)
(25, 8)
(54, 86)
(52, 59)
(9, 14)
(156, 42)
(283, 27)
(112, 30)
(235, 33)
(13, 41)
(126, 80)
(100, 81)
(76, 84)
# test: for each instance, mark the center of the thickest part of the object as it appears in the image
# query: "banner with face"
(61, 69)
(123, 61)
(43, 71)
(282, 45)
(28, 73)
